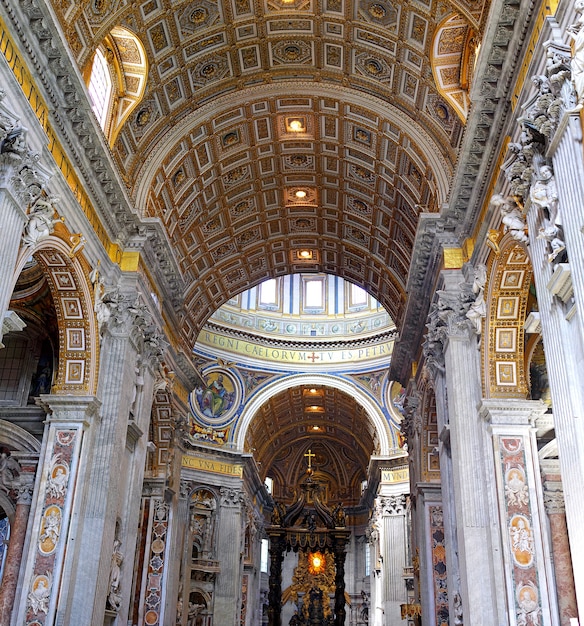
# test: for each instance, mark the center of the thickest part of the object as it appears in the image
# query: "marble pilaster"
(563, 329)
(182, 549)
(51, 533)
(477, 547)
(446, 495)
(530, 588)
(152, 603)
(228, 586)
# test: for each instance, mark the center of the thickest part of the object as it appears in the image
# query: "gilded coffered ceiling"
(359, 106)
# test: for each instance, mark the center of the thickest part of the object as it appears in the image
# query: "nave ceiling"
(379, 88)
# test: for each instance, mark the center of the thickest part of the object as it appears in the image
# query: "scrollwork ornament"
(230, 497)
(411, 425)
(25, 494)
(393, 505)
(185, 489)
(10, 474)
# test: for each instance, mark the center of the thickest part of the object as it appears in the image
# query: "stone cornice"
(426, 258)
(299, 344)
(503, 48)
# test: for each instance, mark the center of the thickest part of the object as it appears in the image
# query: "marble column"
(529, 582)
(340, 554)
(226, 606)
(451, 332)
(15, 549)
(52, 535)
(553, 496)
(86, 592)
(277, 547)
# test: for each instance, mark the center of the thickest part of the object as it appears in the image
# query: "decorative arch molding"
(371, 408)
(161, 424)
(67, 274)
(430, 464)
(18, 439)
(504, 362)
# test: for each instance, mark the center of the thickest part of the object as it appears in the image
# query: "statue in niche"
(339, 516)
(576, 34)
(539, 382)
(202, 523)
(114, 597)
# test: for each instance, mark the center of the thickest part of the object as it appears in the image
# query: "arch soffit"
(18, 439)
(133, 70)
(510, 274)
(432, 148)
(371, 408)
(448, 55)
(68, 280)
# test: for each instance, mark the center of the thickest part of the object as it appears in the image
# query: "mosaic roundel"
(215, 403)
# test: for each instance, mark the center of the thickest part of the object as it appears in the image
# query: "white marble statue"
(511, 217)
(114, 596)
(41, 221)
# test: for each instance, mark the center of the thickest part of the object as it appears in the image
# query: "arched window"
(100, 88)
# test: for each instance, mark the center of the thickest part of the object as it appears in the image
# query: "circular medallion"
(215, 403)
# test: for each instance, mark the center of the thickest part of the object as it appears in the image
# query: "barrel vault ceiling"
(326, 421)
(357, 104)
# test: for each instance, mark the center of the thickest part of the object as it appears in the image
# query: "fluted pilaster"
(13, 218)
(228, 586)
(563, 330)
(450, 327)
